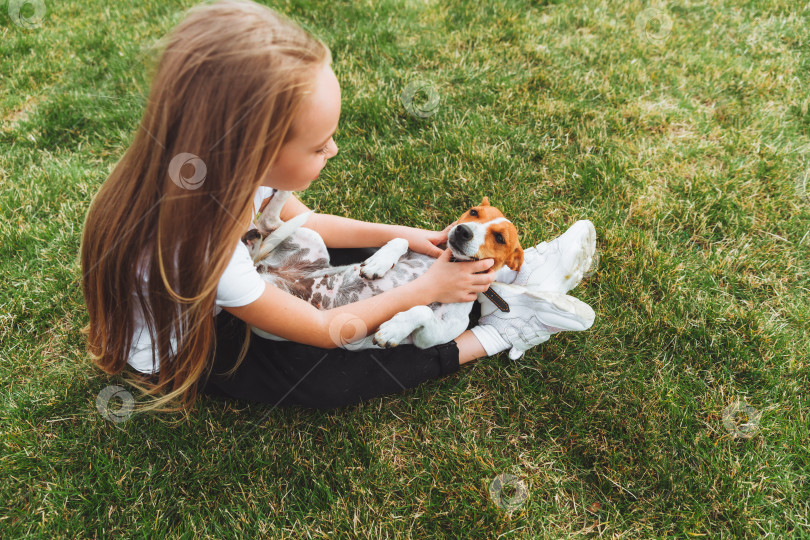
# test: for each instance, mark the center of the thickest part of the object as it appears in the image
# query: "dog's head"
(483, 233)
(253, 240)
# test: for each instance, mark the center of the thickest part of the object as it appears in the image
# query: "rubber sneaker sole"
(569, 313)
(559, 311)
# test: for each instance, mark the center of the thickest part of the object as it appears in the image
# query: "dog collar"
(496, 299)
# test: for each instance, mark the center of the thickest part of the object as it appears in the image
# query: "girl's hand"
(451, 282)
(424, 241)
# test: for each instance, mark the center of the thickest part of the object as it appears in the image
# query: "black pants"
(286, 373)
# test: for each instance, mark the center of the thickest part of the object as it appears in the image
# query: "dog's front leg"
(445, 326)
(270, 218)
(384, 259)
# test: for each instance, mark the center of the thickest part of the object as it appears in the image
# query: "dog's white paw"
(384, 260)
(375, 269)
(391, 333)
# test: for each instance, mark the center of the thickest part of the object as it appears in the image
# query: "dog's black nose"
(463, 233)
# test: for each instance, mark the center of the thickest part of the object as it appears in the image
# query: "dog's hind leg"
(444, 327)
(392, 332)
(428, 327)
(384, 259)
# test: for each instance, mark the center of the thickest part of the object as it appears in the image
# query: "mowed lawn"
(682, 130)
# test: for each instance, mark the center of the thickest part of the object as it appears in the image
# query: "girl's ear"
(485, 201)
(515, 259)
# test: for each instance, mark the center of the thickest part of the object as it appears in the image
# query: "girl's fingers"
(487, 278)
(483, 280)
(474, 267)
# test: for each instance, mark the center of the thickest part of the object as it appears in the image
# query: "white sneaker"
(558, 265)
(533, 316)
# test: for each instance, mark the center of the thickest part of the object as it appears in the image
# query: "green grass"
(687, 152)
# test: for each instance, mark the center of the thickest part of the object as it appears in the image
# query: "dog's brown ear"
(251, 236)
(485, 202)
(515, 259)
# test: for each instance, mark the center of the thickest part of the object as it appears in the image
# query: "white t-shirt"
(239, 285)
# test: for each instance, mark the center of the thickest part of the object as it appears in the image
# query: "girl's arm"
(287, 316)
(341, 232)
(282, 314)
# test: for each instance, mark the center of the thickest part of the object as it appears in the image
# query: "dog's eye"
(499, 238)
(474, 213)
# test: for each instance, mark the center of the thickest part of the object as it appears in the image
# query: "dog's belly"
(347, 285)
(300, 266)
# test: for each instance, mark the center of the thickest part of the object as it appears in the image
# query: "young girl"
(243, 100)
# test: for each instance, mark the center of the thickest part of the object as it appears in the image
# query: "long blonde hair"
(230, 79)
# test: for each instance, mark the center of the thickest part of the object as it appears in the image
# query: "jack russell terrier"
(295, 259)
